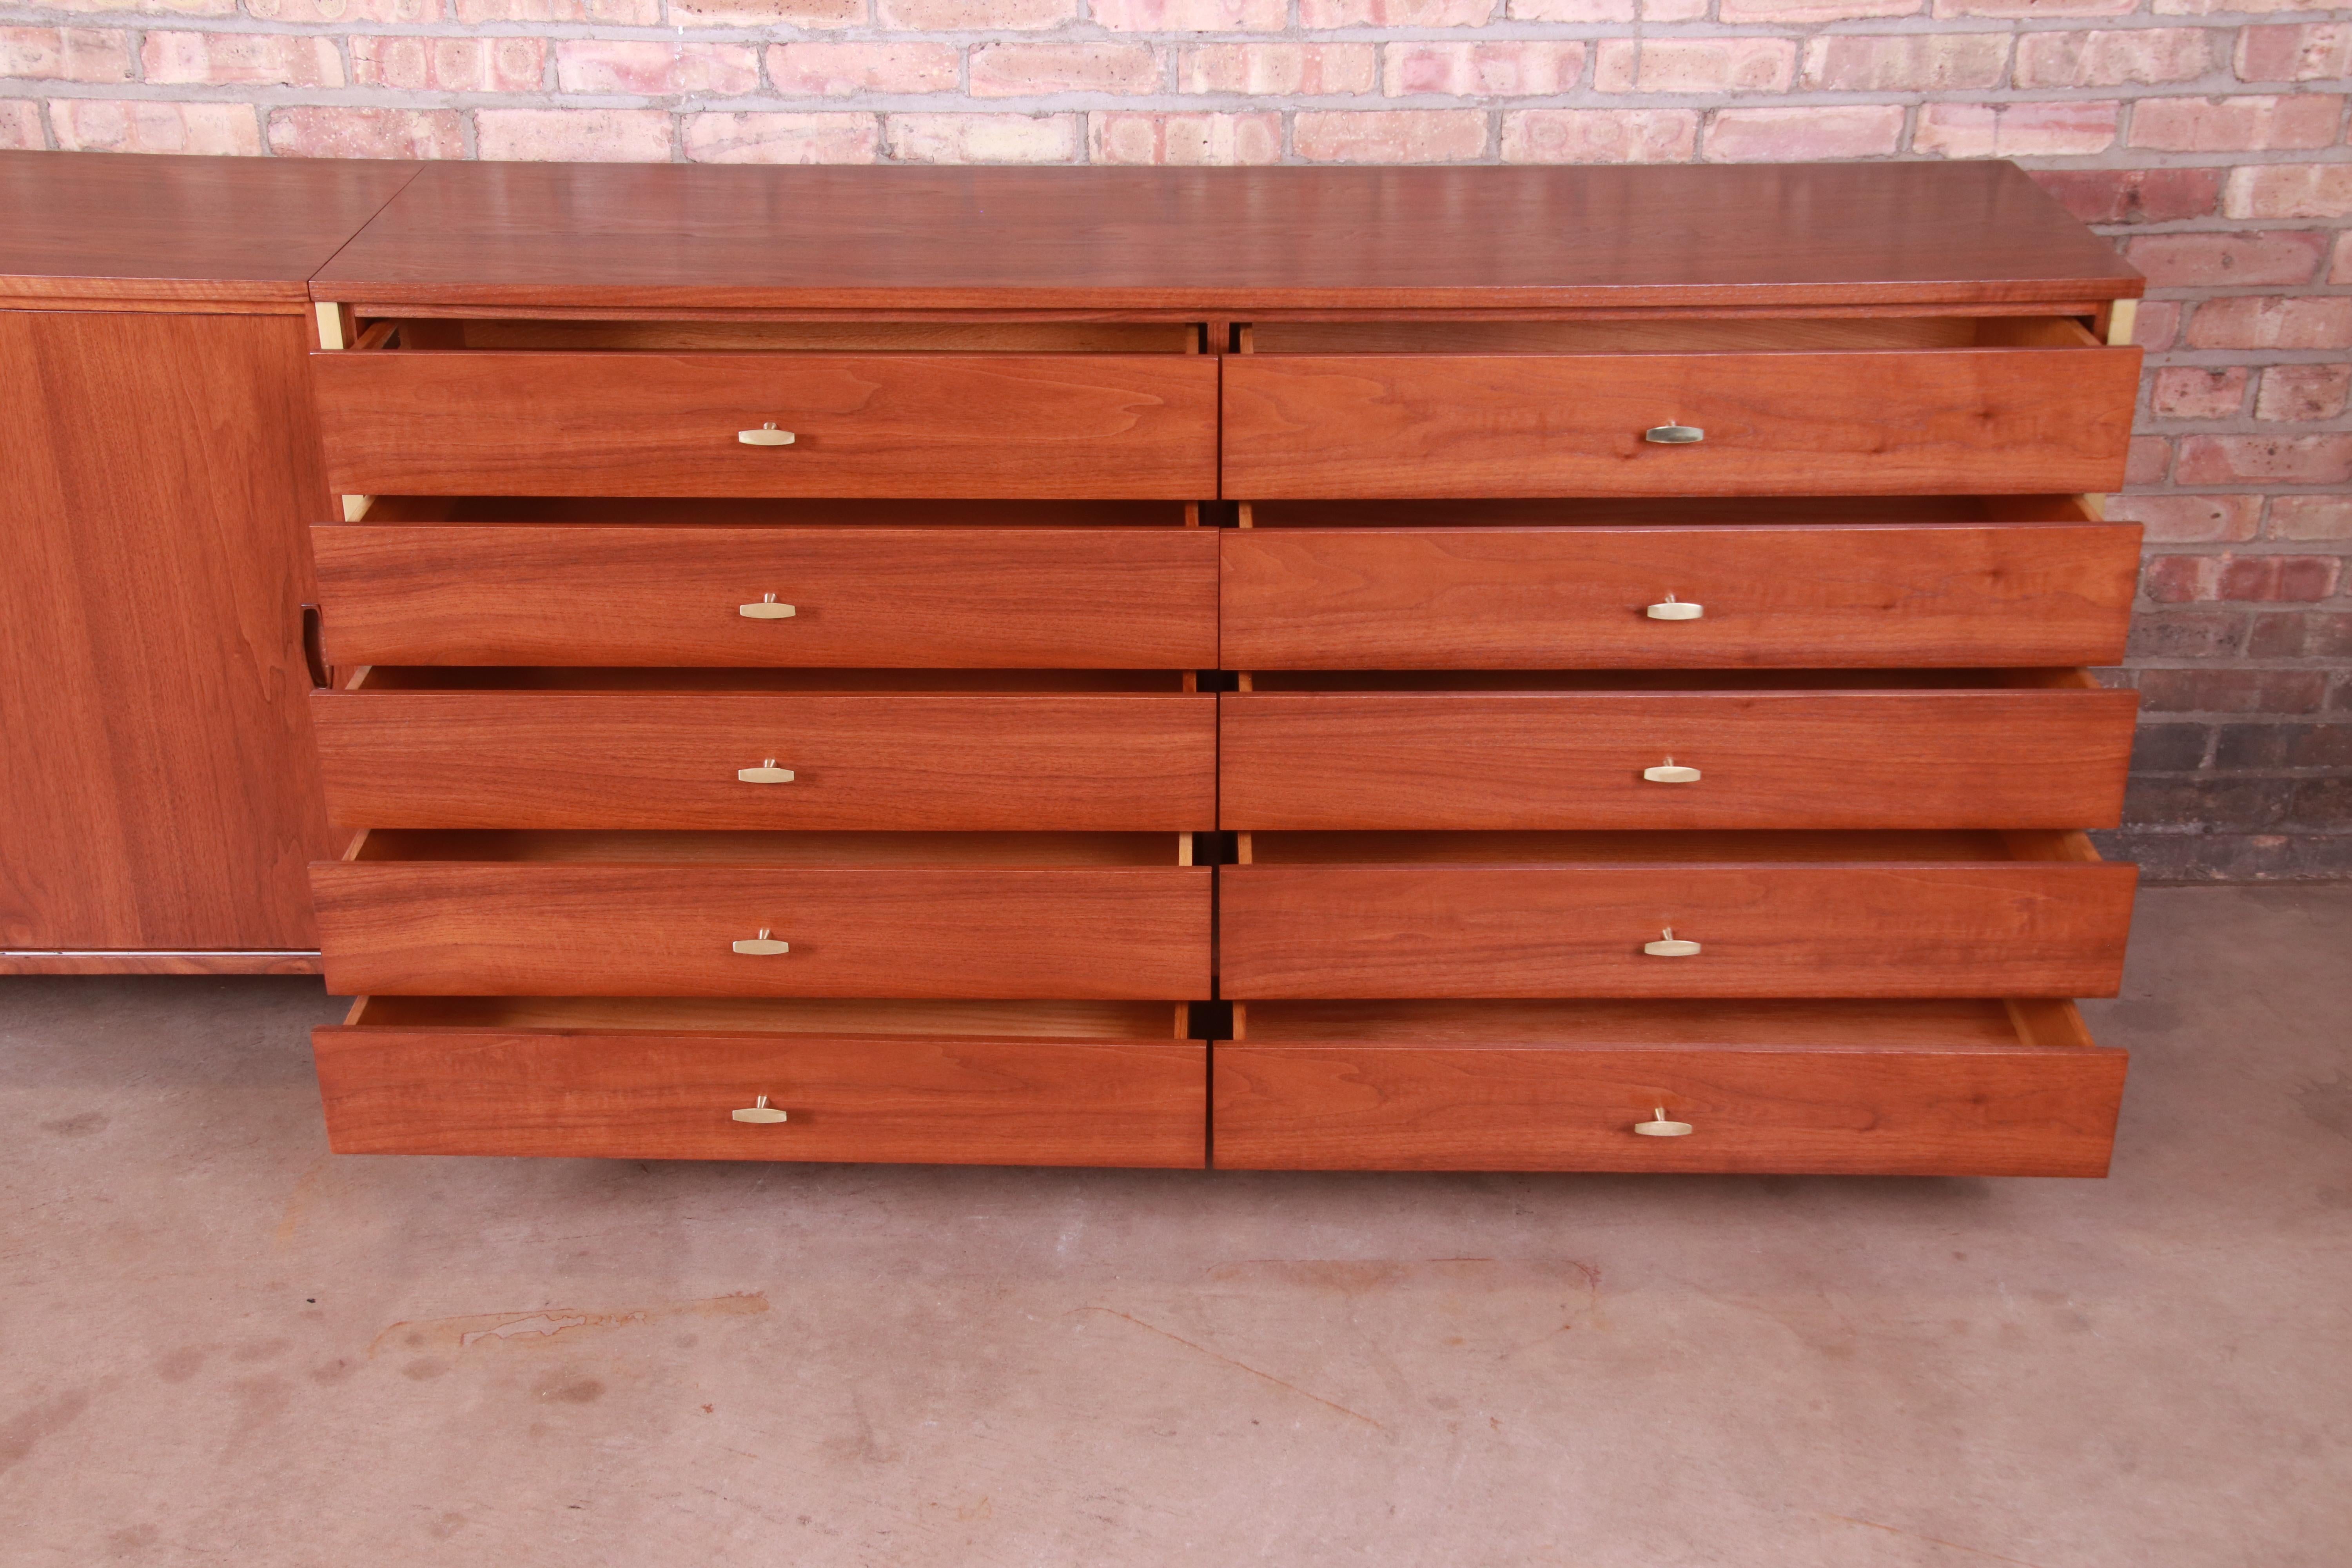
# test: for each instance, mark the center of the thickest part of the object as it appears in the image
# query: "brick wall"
(2206, 138)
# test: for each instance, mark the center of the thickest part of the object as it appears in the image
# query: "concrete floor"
(220, 1344)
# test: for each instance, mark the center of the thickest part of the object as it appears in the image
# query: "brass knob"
(766, 773)
(765, 435)
(762, 945)
(1672, 609)
(767, 609)
(1675, 434)
(1662, 1128)
(1669, 771)
(759, 1110)
(1672, 947)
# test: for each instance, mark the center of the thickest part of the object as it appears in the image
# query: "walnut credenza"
(1544, 669)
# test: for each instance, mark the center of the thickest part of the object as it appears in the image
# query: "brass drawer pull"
(1672, 946)
(767, 609)
(1675, 434)
(1670, 772)
(766, 773)
(759, 1110)
(1673, 609)
(1661, 1128)
(762, 945)
(765, 435)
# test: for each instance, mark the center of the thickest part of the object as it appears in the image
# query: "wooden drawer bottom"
(1964, 1087)
(940, 1083)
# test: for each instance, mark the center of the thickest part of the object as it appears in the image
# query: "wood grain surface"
(1100, 426)
(1838, 1108)
(1920, 929)
(1853, 759)
(668, 1095)
(1219, 240)
(161, 791)
(1005, 760)
(473, 928)
(1855, 594)
(1957, 420)
(1119, 598)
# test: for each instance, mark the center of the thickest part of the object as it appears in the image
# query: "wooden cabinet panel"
(1772, 929)
(1858, 759)
(1011, 761)
(161, 792)
(671, 1095)
(1071, 598)
(1953, 421)
(1853, 596)
(460, 929)
(1103, 427)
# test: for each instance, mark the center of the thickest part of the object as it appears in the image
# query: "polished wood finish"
(639, 929)
(1884, 1089)
(1119, 598)
(1105, 426)
(124, 232)
(1860, 928)
(161, 792)
(669, 1094)
(1858, 594)
(1221, 241)
(1858, 758)
(128, 962)
(1008, 761)
(1959, 420)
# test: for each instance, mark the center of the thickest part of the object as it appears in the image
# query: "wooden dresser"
(1492, 669)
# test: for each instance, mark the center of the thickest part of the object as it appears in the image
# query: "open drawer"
(764, 914)
(903, 585)
(1675, 749)
(1674, 914)
(1876, 582)
(1926, 1087)
(1012, 750)
(989, 1083)
(1697, 407)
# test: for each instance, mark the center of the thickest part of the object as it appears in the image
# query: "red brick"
(2157, 326)
(1270, 69)
(263, 60)
(1037, 71)
(117, 125)
(416, 63)
(766, 138)
(2263, 321)
(779, 13)
(574, 135)
(66, 54)
(1123, 137)
(2311, 517)
(1517, 68)
(1577, 11)
(2246, 123)
(2016, 130)
(321, 131)
(1396, 14)
(650, 68)
(618, 13)
(956, 16)
(1812, 13)
(1599, 136)
(2133, 195)
(2233, 690)
(1899, 62)
(2265, 459)
(2339, 271)
(2206, 260)
(2303, 392)
(1389, 135)
(2188, 519)
(20, 125)
(2191, 392)
(1790, 135)
(1190, 15)
(2036, 9)
(2277, 635)
(2113, 58)
(2184, 634)
(2316, 51)
(349, 13)
(2289, 190)
(981, 138)
(1694, 65)
(2151, 456)
(816, 69)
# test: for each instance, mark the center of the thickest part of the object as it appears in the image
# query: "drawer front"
(1854, 595)
(490, 930)
(1780, 759)
(622, 759)
(1927, 930)
(1949, 421)
(2020, 1110)
(1105, 426)
(916, 1099)
(1092, 598)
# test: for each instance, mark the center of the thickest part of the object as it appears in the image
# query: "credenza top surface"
(114, 227)
(1239, 240)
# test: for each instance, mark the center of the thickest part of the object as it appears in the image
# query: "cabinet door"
(160, 792)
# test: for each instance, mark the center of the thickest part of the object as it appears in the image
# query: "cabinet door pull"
(1661, 1128)
(762, 945)
(767, 609)
(1673, 609)
(1675, 434)
(1673, 946)
(765, 435)
(1670, 772)
(759, 1110)
(766, 773)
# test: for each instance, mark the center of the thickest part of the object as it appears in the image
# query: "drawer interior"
(636, 511)
(1865, 1023)
(913, 850)
(1724, 846)
(1139, 1021)
(689, 681)
(429, 335)
(1696, 334)
(1645, 511)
